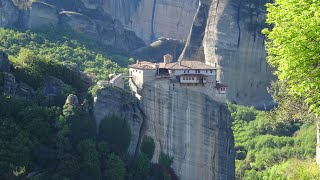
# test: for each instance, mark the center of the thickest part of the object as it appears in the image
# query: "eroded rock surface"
(152, 19)
(233, 41)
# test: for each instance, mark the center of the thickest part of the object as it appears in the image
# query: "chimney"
(167, 58)
(137, 61)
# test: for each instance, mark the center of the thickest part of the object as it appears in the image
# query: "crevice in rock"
(153, 36)
(238, 23)
(142, 129)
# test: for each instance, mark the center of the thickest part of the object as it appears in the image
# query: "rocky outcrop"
(24, 91)
(9, 84)
(9, 14)
(115, 101)
(72, 100)
(4, 62)
(192, 128)
(228, 33)
(151, 19)
(157, 49)
(42, 15)
(53, 86)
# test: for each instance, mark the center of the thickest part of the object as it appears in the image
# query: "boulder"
(42, 15)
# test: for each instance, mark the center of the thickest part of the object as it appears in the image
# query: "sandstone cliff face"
(112, 100)
(192, 128)
(151, 19)
(9, 14)
(232, 40)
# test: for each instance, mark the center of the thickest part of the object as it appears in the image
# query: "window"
(188, 71)
(192, 78)
(211, 71)
(184, 71)
(206, 71)
(184, 78)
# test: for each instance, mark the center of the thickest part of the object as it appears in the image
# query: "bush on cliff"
(148, 146)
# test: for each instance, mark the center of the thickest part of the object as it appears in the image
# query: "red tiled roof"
(143, 65)
(181, 65)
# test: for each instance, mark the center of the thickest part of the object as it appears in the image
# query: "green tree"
(148, 146)
(293, 48)
(90, 164)
(141, 167)
(165, 159)
(116, 132)
(115, 167)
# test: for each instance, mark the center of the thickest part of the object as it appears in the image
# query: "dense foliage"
(63, 46)
(148, 146)
(262, 143)
(293, 47)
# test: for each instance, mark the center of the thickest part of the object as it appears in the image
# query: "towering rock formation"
(228, 33)
(192, 128)
(151, 19)
(187, 125)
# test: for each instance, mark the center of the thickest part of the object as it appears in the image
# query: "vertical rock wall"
(192, 128)
(151, 19)
(232, 39)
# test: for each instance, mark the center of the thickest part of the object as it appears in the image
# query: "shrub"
(165, 159)
(148, 147)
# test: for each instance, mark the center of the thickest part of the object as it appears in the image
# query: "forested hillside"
(271, 149)
(46, 123)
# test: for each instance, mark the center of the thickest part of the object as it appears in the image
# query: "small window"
(188, 71)
(184, 78)
(192, 78)
(184, 71)
(206, 71)
(211, 71)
